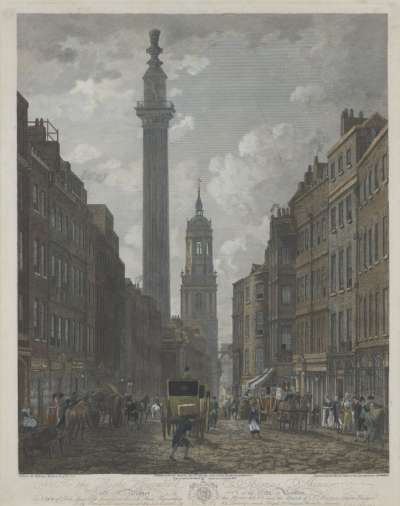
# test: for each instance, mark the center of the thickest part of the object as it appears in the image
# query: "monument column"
(156, 112)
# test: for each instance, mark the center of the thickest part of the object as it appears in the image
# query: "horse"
(108, 406)
(155, 410)
(132, 413)
(76, 418)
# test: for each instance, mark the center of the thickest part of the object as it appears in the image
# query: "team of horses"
(103, 407)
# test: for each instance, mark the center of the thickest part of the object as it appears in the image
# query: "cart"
(184, 398)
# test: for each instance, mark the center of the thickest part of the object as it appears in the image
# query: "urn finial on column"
(154, 50)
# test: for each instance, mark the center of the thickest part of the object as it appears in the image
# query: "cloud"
(67, 55)
(107, 74)
(174, 92)
(228, 250)
(83, 153)
(134, 236)
(191, 64)
(178, 130)
(101, 90)
(115, 174)
(132, 259)
(312, 93)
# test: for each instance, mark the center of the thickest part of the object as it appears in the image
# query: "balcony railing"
(166, 104)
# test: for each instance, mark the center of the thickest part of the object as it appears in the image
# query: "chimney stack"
(348, 121)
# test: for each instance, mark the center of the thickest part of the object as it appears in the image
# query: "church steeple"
(199, 203)
(199, 286)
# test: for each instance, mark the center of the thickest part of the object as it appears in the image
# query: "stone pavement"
(227, 449)
(349, 438)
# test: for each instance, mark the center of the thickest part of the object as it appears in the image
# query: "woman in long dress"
(347, 417)
(254, 421)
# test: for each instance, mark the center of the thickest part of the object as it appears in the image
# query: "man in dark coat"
(183, 426)
(214, 408)
(64, 404)
(359, 415)
(335, 410)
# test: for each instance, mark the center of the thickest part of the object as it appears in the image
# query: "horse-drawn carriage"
(106, 403)
(292, 412)
(185, 398)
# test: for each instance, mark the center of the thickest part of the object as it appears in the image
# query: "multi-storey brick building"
(60, 324)
(110, 286)
(24, 265)
(372, 338)
(337, 230)
(357, 133)
(141, 360)
(280, 257)
(250, 327)
(65, 249)
(309, 207)
(237, 335)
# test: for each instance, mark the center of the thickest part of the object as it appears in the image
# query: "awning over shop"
(260, 380)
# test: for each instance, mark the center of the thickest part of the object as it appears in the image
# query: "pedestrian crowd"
(364, 418)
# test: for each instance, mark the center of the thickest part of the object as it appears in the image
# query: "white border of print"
(178, 489)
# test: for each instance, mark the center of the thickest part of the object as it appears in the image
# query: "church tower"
(156, 112)
(199, 286)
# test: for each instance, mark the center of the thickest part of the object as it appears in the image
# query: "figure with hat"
(254, 419)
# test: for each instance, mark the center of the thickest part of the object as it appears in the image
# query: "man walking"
(179, 439)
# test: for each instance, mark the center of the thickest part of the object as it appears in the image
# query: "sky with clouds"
(257, 97)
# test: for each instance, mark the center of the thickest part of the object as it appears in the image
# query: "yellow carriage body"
(184, 399)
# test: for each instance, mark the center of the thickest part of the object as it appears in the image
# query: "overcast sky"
(257, 97)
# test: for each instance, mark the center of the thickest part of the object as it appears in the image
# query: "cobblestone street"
(227, 449)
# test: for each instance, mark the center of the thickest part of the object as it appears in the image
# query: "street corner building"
(325, 279)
